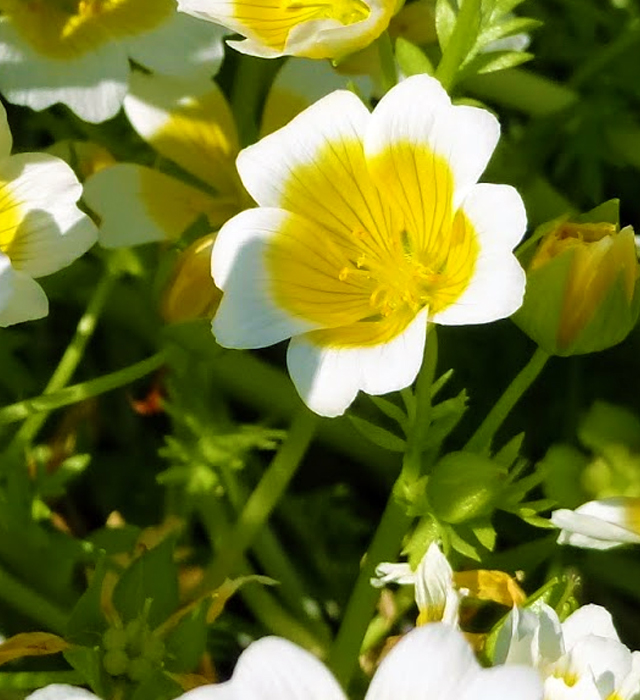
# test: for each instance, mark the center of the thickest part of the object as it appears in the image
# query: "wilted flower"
(42, 229)
(602, 524)
(582, 292)
(298, 27)
(369, 226)
(77, 51)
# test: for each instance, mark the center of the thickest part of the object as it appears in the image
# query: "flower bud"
(582, 287)
(191, 293)
(463, 486)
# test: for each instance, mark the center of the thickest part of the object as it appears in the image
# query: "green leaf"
(157, 686)
(493, 61)
(461, 42)
(153, 576)
(88, 662)
(460, 545)
(508, 454)
(379, 436)
(446, 13)
(485, 534)
(87, 621)
(186, 642)
(411, 59)
(391, 410)
(508, 27)
(115, 540)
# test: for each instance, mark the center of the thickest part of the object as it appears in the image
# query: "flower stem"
(385, 545)
(80, 392)
(74, 352)
(265, 497)
(481, 440)
(393, 526)
(21, 598)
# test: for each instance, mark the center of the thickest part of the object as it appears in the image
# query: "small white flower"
(602, 524)
(79, 53)
(436, 596)
(580, 659)
(41, 228)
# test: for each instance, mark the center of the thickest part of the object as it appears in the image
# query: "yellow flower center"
(66, 29)
(270, 22)
(10, 220)
(367, 282)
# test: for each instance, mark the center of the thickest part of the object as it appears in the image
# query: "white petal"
(182, 45)
(393, 573)
(419, 111)
(92, 85)
(247, 316)
(607, 661)
(53, 231)
(28, 301)
(557, 689)
(6, 280)
(585, 527)
(274, 669)
(266, 166)
(529, 637)
(328, 378)
(588, 620)
(61, 692)
(504, 683)
(496, 289)
(436, 597)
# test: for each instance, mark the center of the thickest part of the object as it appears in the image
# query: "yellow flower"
(330, 29)
(77, 51)
(370, 225)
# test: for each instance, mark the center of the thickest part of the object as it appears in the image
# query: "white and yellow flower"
(437, 598)
(429, 663)
(190, 124)
(370, 225)
(579, 659)
(603, 524)
(78, 51)
(41, 228)
(305, 28)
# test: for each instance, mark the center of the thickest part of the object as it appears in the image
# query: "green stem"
(389, 73)
(481, 440)
(461, 42)
(80, 392)
(343, 660)
(265, 497)
(392, 527)
(25, 680)
(31, 604)
(74, 352)
(412, 462)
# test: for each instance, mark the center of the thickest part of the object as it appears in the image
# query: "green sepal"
(411, 59)
(377, 435)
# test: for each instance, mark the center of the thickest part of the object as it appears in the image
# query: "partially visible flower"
(190, 124)
(297, 27)
(77, 52)
(41, 228)
(581, 658)
(439, 590)
(369, 227)
(436, 597)
(582, 288)
(85, 157)
(603, 524)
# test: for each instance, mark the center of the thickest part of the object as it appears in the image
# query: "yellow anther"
(343, 274)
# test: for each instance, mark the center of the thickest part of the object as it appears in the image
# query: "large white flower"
(370, 225)
(306, 28)
(41, 228)
(580, 659)
(77, 51)
(602, 524)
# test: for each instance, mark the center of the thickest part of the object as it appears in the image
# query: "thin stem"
(29, 603)
(391, 529)
(481, 440)
(80, 392)
(412, 462)
(385, 546)
(26, 680)
(265, 497)
(74, 352)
